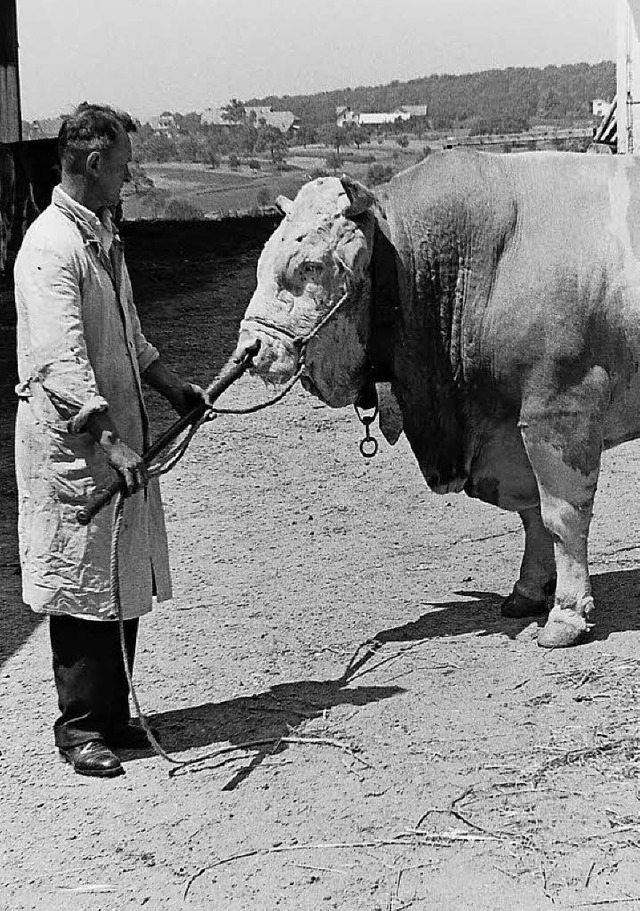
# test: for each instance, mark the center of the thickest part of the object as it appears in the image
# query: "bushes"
(333, 161)
(367, 158)
(264, 197)
(182, 210)
(379, 173)
(499, 125)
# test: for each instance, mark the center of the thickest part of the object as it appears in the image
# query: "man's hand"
(183, 396)
(129, 465)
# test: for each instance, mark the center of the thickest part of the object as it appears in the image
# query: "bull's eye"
(312, 271)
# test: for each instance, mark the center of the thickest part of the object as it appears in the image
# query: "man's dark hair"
(90, 127)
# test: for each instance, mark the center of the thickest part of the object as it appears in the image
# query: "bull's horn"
(285, 205)
(360, 199)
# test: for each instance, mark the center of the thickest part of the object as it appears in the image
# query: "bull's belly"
(500, 472)
(622, 420)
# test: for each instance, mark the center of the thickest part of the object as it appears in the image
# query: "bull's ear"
(360, 199)
(285, 205)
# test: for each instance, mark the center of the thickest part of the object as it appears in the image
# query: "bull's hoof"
(563, 629)
(518, 605)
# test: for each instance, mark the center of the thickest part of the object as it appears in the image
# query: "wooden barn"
(10, 113)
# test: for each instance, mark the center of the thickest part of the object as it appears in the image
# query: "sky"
(147, 56)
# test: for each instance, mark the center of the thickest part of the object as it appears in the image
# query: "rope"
(116, 607)
(158, 468)
(251, 409)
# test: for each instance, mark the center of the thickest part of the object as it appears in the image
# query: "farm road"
(411, 748)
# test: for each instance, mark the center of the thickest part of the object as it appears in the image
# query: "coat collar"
(94, 230)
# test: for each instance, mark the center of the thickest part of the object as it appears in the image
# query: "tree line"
(554, 94)
(494, 101)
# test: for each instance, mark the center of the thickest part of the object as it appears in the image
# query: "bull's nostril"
(252, 350)
(247, 350)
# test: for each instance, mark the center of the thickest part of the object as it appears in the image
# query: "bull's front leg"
(537, 572)
(562, 435)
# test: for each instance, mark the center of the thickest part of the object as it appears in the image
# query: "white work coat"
(80, 351)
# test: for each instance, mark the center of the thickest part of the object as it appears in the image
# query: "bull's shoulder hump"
(465, 190)
(450, 175)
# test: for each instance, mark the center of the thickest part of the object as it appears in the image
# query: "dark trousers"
(93, 693)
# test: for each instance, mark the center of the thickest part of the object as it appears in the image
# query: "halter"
(300, 342)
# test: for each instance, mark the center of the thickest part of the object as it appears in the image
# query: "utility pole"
(10, 113)
(628, 77)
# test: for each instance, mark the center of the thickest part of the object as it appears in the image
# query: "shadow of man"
(262, 722)
(258, 722)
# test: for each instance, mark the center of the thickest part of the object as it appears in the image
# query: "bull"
(497, 299)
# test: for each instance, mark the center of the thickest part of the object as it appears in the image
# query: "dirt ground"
(370, 735)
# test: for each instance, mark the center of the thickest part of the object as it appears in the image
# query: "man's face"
(112, 170)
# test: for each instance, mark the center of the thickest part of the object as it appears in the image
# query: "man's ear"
(92, 162)
(360, 199)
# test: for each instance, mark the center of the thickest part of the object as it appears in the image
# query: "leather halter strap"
(384, 306)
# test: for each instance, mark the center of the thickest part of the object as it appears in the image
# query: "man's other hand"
(185, 397)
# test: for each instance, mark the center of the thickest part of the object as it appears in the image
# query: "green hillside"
(553, 93)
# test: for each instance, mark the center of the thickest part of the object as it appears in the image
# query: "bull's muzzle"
(276, 358)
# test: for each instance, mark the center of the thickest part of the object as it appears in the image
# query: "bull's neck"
(415, 299)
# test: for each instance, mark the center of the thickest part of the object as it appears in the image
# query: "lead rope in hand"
(251, 409)
(169, 461)
(161, 467)
(116, 608)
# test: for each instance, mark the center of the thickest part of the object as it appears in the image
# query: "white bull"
(500, 297)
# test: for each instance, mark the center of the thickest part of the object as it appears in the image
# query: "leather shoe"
(131, 737)
(93, 758)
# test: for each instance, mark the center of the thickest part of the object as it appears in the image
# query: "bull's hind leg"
(562, 434)
(537, 572)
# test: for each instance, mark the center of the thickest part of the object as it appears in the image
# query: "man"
(82, 422)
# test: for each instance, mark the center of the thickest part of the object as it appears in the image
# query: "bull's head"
(314, 289)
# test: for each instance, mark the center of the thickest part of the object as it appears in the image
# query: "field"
(355, 726)
(219, 192)
(196, 190)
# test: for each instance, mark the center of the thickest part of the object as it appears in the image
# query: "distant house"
(600, 107)
(415, 110)
(346, 116)
(284, 121)
(165, 123)
(213, 117)
(377, 119)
